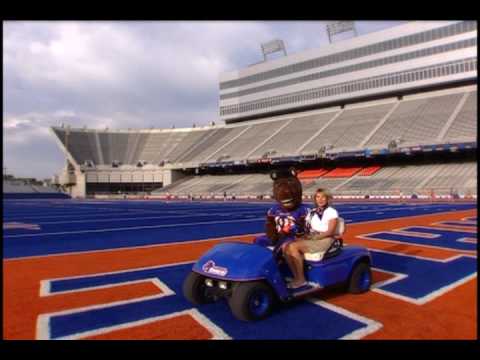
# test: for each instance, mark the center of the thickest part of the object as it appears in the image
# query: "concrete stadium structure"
(407, 87)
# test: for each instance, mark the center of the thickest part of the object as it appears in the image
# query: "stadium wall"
(414, 55)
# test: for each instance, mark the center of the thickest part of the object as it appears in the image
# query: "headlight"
(222, 285)
(209, 282)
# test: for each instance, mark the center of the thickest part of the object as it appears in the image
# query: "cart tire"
(360, 279)
(252, 301)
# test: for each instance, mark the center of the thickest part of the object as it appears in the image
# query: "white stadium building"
(387, 113)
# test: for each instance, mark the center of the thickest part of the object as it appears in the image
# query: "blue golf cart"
(253, 278)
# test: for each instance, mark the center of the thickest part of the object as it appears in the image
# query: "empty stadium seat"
(342, 172)
(368, 171)
(312, 174)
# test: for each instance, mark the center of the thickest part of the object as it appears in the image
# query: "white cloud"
(124, 74)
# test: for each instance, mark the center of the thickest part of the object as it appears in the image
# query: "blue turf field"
(73, 226)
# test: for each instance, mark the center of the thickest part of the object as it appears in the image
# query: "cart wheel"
(195, 290)
(251, 300)
(360, 279)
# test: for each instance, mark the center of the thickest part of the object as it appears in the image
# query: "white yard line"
(133, 228)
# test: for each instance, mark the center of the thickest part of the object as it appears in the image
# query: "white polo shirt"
(321, 225)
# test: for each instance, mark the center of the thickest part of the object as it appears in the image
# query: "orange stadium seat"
(370, 170)
(312, 174)
(342, 172)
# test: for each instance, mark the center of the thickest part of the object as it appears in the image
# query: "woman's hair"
(326, 193)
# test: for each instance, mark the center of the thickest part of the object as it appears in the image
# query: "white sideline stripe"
(170, 225)
(389, 209)
(372, 325)
(133, 218)
(461, 223)
(90, 214)
(469, 240)
(131, 247)
(188, 214)
(224, 237)
(448, 212)
(365, 237)
(165, 217)
(86, 212)
(193, 213)
(136, 228)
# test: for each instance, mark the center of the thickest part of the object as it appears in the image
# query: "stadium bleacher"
(13, 189)
(342, 172)
(409, 179)
(416, 92)
(414, 120)
(465, 123)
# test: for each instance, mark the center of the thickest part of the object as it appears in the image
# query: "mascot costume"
(286, 219)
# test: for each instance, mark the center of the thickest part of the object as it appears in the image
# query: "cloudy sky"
(125, 75)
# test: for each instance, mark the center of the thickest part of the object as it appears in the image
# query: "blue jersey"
(288, 223)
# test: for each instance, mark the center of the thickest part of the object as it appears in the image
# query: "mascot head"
(287, 189)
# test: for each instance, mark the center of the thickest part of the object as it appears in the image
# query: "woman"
(321, 223)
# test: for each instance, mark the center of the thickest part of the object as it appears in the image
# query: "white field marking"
(455, 227)
(384, 210)
(431, 296)
(25, 217)
(134, 218)
(405, 231)
(136, 228)
(463, 221)
(190, 212)
(470, 219)
(427, 298)
(468, 240)
(372, 325)
(94, 275)
(168, 225)
(365, 237)
(396, 277)
(20, 225)
(401, 217)
(43, 320)
(451, 258)
(100, 214)
(213, 239)
(132, 247)
(456, 223)
(216, 332)
(45, 286)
